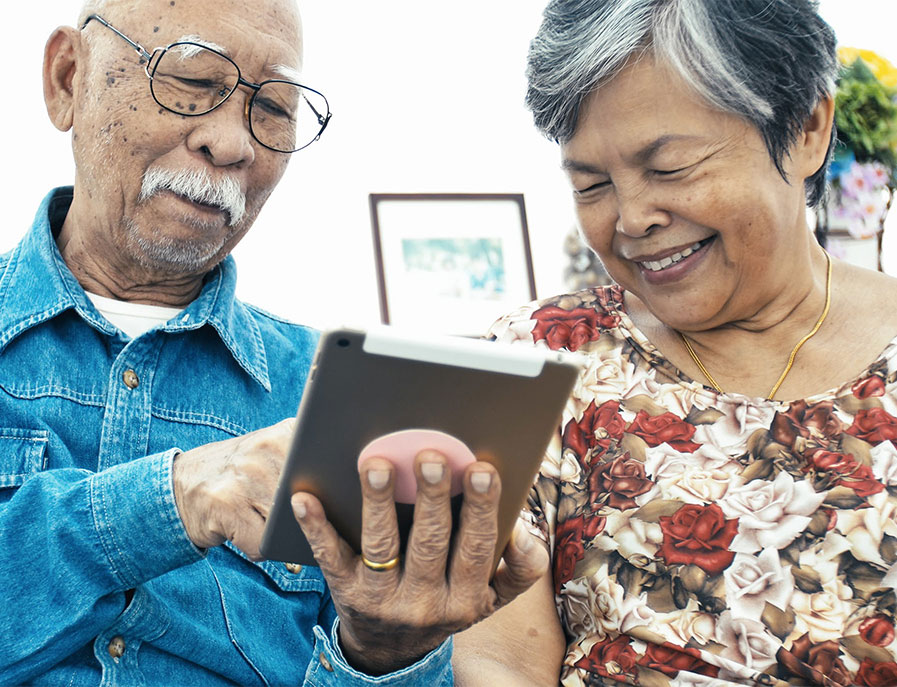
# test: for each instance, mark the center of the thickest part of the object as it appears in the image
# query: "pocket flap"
(301, 578)
(22, 454)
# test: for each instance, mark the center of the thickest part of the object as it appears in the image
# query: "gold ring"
(380, 567)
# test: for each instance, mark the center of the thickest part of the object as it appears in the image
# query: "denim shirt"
(90, 421)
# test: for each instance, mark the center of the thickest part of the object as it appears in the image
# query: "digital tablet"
(468, 398)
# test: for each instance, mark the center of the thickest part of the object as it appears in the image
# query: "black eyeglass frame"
(150, 70)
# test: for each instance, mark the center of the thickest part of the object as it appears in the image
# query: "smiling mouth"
(670, 260)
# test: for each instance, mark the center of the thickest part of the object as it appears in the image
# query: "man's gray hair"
(766, 61)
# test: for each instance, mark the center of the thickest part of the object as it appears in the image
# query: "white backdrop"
(427, 97)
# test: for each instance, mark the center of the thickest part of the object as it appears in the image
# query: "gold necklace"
(775, 388)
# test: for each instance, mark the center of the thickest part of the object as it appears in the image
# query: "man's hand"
(224, 490)
(391, 618)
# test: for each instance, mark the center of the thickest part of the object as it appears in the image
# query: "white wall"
(427, 97)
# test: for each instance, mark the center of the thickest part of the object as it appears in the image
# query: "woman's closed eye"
(597, 186)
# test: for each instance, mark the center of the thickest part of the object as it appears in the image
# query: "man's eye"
(271, 108)
(199, 83)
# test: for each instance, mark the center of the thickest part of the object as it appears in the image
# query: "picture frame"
(451, 263)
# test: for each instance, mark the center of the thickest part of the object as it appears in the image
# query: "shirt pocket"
(23, 454)
(271, 611)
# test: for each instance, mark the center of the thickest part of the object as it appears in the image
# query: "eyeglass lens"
(192, 80)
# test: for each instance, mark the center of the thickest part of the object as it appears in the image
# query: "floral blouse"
(704, 539)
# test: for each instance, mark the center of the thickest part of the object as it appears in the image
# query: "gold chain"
(775, 388)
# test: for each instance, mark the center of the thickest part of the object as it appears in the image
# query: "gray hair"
(766, 61)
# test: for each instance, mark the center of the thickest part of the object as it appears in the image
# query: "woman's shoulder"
(568, 321)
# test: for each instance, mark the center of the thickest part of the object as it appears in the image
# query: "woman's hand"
(391, 618)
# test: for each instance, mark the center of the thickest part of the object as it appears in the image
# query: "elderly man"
(142, 406)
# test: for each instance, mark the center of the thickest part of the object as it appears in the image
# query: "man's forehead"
(277, 19)
(223, 25)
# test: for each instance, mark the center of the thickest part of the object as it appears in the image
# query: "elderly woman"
(720, 498)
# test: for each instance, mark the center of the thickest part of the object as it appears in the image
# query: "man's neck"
(98, 272)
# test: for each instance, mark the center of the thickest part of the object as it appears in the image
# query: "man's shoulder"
(281, 336)
(272, 324)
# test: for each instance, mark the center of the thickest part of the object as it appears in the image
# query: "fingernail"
(299, 509)
(432, 472)
(378, 478)
(481, 481)
(523, 540)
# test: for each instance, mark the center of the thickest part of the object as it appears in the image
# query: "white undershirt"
(133, 319)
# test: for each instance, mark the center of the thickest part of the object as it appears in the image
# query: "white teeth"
(663, 263)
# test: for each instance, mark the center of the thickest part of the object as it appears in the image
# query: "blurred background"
(426, 98)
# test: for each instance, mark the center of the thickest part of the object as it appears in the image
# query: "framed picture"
(450, 262)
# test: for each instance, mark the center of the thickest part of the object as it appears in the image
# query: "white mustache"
(198, 186)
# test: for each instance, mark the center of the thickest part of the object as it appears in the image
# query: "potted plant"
(863, 174)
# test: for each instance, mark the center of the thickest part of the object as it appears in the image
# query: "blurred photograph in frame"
(450, 263)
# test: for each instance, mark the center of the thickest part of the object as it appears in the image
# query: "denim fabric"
(87, 509)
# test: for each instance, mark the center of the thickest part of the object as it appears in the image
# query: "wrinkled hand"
(391, 618)
(225, 490)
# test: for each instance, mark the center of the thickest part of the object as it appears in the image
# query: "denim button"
(324, 662)
(293, 567)
(132, 381)
(116, 648)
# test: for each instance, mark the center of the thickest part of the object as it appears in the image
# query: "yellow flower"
(883, 70)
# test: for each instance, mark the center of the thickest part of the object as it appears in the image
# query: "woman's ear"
(814, 141)
(61, 62)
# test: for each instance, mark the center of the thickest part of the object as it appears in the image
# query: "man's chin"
(176, 257)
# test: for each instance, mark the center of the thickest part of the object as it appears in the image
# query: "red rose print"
(611, 658)
(570, 328)
(669, 659)
(874, 425)
(800, 418)
(698, 535)
(877, 630)
(815, 662)
(862, 481)
(869, 387)
(872, 674)
(668, 428)
(853, 475)
(597, 428)
(829, 461)
(568, 549)
(593, 525)
(617, 482)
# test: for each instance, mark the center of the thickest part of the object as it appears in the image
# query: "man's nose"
(223, 134)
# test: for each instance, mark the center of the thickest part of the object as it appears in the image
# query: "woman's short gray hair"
(767, 61)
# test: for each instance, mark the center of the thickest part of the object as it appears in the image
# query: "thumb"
(523, 562)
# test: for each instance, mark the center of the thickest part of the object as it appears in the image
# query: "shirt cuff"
(137, 519)
(329, 668)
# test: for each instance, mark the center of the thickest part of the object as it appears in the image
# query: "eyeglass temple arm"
(139, 48)
(321, 120)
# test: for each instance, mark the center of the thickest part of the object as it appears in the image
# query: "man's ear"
(61, 61)
(816, 136)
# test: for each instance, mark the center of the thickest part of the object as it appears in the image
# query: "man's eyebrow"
(201, 41)
(287, 72)
(284, 70)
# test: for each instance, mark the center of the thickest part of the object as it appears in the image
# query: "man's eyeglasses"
(192, 79)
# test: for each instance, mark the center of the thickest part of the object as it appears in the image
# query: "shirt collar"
(36, 285)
